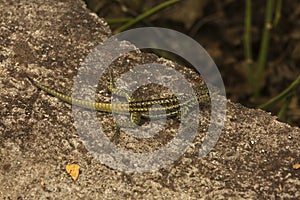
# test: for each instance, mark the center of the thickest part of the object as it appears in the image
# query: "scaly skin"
(136, 109)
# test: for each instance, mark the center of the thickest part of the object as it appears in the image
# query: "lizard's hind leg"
(112, 88)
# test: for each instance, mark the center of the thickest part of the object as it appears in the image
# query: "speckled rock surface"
(48, 40)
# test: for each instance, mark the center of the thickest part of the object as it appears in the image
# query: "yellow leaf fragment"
(73, 170)
(296, 166)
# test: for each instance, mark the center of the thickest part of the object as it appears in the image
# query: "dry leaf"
(73, 170)
(296, 166)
